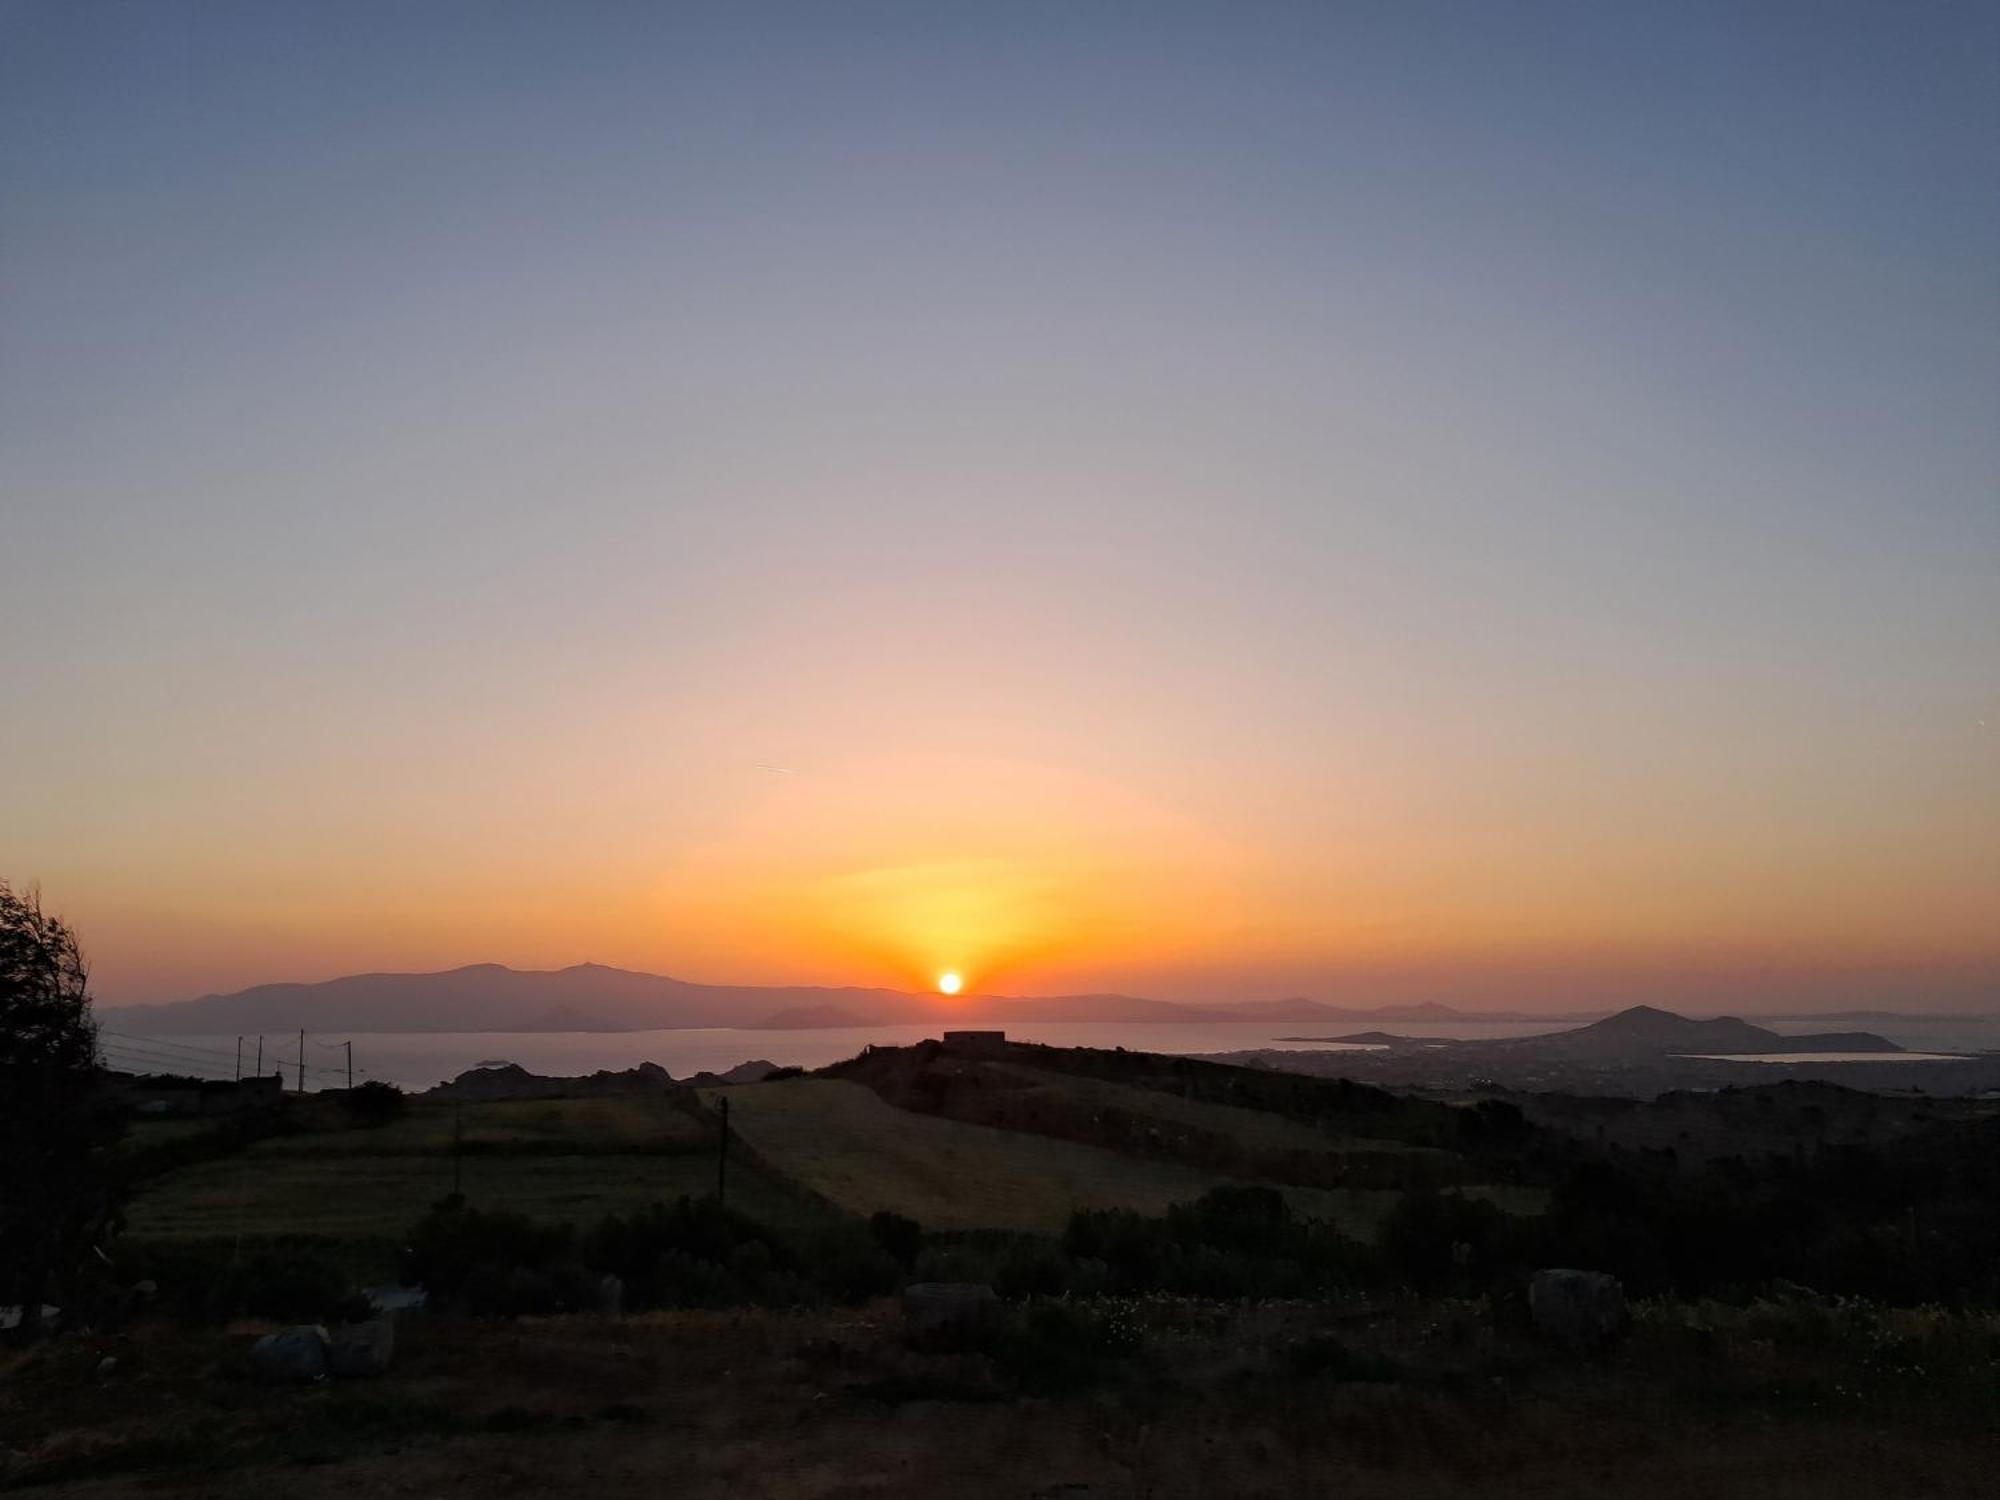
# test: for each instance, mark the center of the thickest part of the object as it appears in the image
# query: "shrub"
(456, 1250)
(900, 1238)
(1326, 1357)
(291, 1286)
(374, 1103)
(1435, 1240)
(1055, 1347)
(1233, 1241)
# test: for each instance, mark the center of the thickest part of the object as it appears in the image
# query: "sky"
(1490, 504)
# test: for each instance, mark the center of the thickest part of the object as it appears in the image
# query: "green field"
(571, 1160)
(637, 1124)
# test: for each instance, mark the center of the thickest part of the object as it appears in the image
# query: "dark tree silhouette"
(55, 1195)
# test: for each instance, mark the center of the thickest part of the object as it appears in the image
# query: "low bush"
(374, 1103)
(1234, 1241)
(1056, 1347)
(692, 1252)
(901, 1238)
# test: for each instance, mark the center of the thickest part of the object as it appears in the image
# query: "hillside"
(492, 997)
(1642, 1031)
(1645, 1029)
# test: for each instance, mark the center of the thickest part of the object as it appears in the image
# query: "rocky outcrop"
(611, 1297)
(512, 1081)
(755, 1071)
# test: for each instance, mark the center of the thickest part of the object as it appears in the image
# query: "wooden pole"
(722, 1156)
(260, 1057)
(350, 1067)
(239, 1059)
(302, 1060)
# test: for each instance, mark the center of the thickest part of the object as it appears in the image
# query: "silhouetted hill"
(1299, 1009)
(1645, 1028)
(593, 997)
(491, 997)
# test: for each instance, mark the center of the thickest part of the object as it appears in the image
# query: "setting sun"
(948, 984)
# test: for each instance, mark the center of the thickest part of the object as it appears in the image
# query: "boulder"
(292, 1355)
(611, 1297)
(362, 1350)
(11, 1317)
(1582, 1310)
(937, 1309)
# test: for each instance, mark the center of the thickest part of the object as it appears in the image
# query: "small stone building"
(976, 1041)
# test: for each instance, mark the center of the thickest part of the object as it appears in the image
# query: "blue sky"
(1514, 487)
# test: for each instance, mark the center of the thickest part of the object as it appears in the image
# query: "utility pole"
(260, 1057)
(350, 1067)
(722, 1155)
(302, 1060)
(457, 1135)
(239, 1059)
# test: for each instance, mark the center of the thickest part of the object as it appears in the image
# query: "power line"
(126, 1049)
(155, 1067)
(154, 1057)
(214, 1057)
(210, 1056)
(165, 1045)
(124, 1045)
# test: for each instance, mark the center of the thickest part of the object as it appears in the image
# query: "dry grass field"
(845, 1143)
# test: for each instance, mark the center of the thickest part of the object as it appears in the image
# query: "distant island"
(1640, 1052)
(595, 997)
(1639, 1029)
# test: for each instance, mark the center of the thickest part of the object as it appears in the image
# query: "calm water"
(420, 1059)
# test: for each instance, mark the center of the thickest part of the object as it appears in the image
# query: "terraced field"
(568, 1160)
(635, 1124)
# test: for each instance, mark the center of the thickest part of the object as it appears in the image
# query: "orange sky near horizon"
(1027, 878)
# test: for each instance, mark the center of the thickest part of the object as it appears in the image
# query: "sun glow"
(949, 984)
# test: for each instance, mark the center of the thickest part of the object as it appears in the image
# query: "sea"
(416, 1060)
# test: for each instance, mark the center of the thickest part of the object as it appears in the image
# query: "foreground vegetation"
(1210, 1280)
(1162, 1397)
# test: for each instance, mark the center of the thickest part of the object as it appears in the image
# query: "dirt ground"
(754, 1405)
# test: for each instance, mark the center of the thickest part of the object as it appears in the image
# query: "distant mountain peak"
(1647, 1013)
